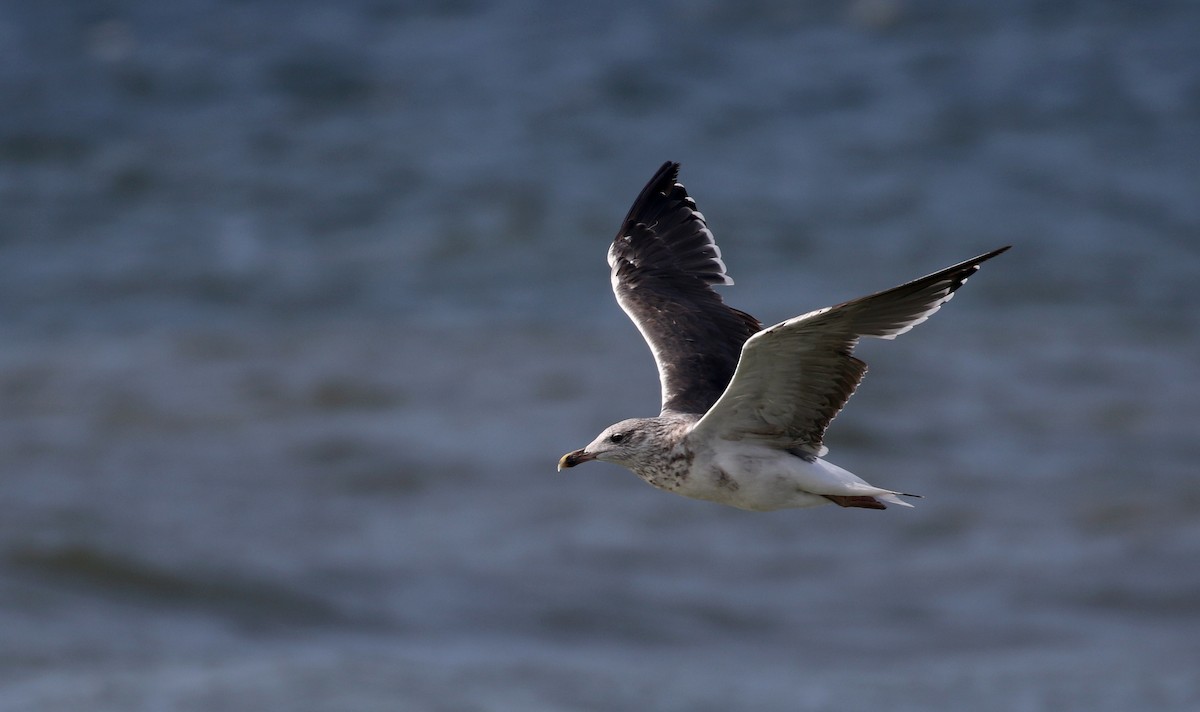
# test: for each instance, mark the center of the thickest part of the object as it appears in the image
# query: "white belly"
(750, 476)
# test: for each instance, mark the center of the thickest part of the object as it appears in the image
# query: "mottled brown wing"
(794, 377)
(664, 262)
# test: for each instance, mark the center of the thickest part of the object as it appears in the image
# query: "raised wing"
(664, 262)
(794, 377)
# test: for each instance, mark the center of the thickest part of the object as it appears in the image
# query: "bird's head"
(626, 443)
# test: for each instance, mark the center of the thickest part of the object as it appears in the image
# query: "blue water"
(301, 302)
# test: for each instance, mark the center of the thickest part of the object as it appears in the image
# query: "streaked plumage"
(744, 409)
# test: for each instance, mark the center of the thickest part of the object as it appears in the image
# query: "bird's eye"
(616, 438)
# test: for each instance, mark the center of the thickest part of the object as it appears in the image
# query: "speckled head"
(636, 443)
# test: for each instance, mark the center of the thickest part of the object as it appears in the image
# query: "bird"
(744, 408)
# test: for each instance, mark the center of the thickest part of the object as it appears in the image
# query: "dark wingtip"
(972, 265)
(975, 262)
(665, 176)
(661, 184)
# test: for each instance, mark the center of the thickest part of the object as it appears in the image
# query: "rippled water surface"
(301, 302)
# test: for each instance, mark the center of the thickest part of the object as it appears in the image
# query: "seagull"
(744, 409)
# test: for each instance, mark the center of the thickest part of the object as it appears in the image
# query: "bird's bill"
(572, 459)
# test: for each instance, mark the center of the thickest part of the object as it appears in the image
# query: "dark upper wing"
(664, 261)
(794, 377)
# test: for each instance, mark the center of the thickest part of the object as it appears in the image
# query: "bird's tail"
(866, 502)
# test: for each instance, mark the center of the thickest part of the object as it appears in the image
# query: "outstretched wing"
(794, 377)
(664, 262)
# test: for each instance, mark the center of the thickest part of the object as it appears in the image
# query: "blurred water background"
(300, 302)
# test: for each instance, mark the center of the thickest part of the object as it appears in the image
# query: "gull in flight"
(744, 409)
